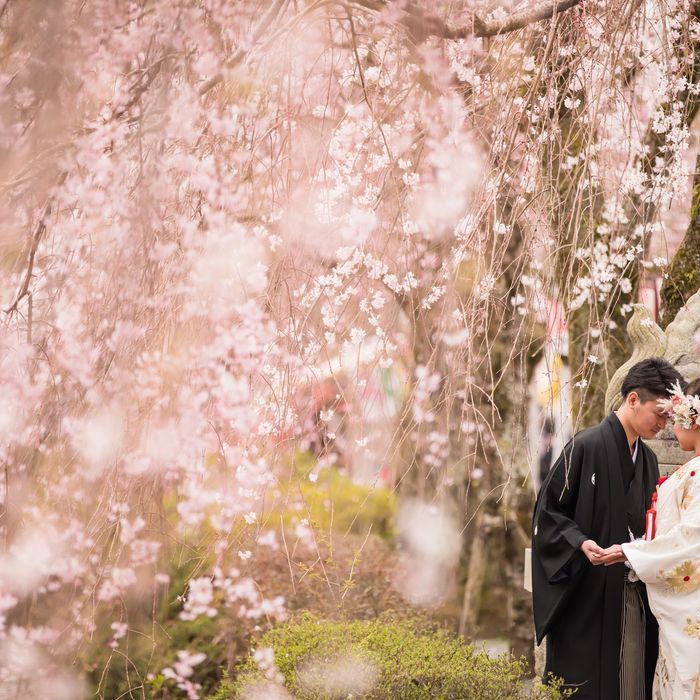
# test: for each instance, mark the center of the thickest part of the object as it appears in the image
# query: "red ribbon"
(650, 530)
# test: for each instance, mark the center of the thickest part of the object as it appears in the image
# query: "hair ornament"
(681, 408)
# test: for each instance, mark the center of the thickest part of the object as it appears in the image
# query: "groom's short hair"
(651, 379)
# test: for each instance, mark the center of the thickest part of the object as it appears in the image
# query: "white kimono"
(670, 567)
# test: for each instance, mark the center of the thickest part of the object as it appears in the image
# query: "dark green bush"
(407, 662)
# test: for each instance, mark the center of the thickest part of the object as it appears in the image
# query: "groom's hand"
(592, 551)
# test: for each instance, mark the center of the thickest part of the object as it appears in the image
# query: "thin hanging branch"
(262, 27)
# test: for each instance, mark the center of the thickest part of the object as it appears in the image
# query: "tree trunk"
(684, 274)
(476, 571)
(519, 600)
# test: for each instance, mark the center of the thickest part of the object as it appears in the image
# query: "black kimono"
(593, 491)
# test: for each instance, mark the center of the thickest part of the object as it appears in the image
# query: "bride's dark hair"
(693, 389)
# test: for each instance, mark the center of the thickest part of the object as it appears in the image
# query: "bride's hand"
(612, 555)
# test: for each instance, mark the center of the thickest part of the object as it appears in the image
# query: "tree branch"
(419, 25)
(143, 82)
(422, 26)
(264, 24)
(36, 237)
(518, 20)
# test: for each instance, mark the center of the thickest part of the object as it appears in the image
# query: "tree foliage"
(234, 233)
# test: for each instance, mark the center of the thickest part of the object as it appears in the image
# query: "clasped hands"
(597, 555)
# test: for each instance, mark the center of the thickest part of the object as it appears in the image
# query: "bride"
(669, 564)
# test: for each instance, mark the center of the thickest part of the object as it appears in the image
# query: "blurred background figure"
(550, 411)
(546, 441)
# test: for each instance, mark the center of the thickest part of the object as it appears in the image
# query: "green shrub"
(356, 507)
(149, 647)
(334, 502)
(351, 580)
(381, 659)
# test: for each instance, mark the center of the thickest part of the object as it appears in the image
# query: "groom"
(601, 636)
